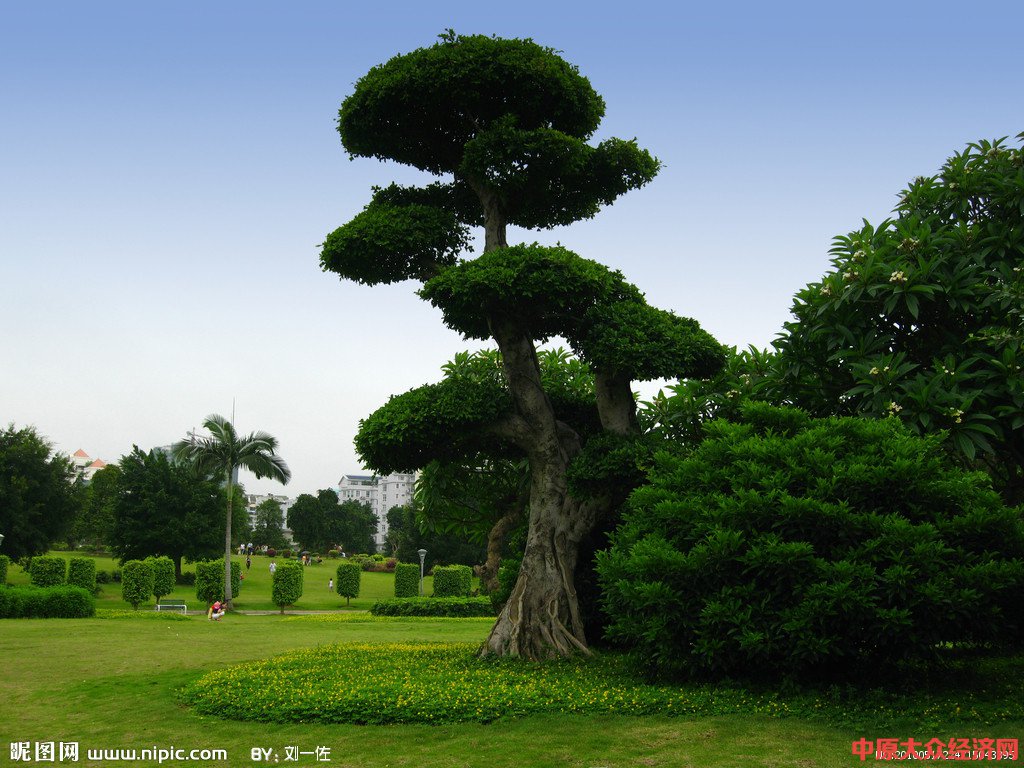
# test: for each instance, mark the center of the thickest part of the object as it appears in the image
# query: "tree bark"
(227, 545)
(616, 405)
(496, 539)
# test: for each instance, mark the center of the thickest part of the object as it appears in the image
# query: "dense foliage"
(48, 571)
(61, 602)
(39, 493)
(347, 580)
(322, 521)
(164, 508)
(453, 581)
(407, 580)
(163, 576)
(921, 316)
(210, 580)
(452, 607)
(4, 563)
(136, 582)
(506, 124)
(268, 530)
(286, 588)
(82, 573)
(787, 546)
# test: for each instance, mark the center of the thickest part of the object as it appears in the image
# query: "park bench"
(172, 605)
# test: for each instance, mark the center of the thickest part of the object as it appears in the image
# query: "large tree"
(920, 317)
(95, 522)
(268, 529)
(505, 124)
(321, 521)
(160, 507)
(221, 455)
(39, 493)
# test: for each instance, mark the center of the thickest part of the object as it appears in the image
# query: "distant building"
(253, 500)
(382, 493)
(85, 465)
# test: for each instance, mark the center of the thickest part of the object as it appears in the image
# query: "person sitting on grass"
(216, 611)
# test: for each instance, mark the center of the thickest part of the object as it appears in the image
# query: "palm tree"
(222, 454)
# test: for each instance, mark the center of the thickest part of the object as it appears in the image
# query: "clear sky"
(167, 172)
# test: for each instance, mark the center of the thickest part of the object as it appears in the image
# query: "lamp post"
(1, 538)
(422, 553)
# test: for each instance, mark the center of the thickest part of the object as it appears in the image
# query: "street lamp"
(1, 538)
(422, 553)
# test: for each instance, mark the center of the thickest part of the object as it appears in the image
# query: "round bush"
(48, 571)
(786, 546)
(82, 573)
(271, 552)
(287, 584)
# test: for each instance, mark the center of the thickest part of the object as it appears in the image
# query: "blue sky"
(167, 173)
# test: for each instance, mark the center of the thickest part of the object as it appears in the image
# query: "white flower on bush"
(894, 408)
(897, 277)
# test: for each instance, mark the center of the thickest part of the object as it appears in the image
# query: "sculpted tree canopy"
(506, 125)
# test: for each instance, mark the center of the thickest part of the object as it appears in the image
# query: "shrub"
(286, 554)
(115, 575)
(390, 563)
(434, 606)
(163, 576)
(136, 582)
(82, 573)
(377, 557)
(271, 552)
(210, 580)
(60, 602)
(792, 547)
(103, 577)
(453, 581)
(4, 562)
(187, 579)
(347, 583)
(287, 584)
(48, 571)
(332, 554)
(407, 580)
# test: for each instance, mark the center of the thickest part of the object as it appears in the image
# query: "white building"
(253, 500)
(381, 493)
(85, 466)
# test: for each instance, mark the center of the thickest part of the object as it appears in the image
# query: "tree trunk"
(227, 546)
(496, 539)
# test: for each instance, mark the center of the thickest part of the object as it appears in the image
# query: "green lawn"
(255, 593)
(112, 683)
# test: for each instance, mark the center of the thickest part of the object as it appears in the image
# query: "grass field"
(113, 682)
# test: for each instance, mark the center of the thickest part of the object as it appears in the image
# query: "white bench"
(172, 605)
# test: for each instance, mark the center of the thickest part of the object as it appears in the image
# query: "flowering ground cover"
(445, 683)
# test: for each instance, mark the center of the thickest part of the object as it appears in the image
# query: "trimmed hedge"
(287, 584)
(347, 583)
(407, 580)
(48, 571)
(453, 581)
(60, 602)
(136, 582)
(434, 606)
(163, 576)
(82, 573)
(210, 580)
(4, 562)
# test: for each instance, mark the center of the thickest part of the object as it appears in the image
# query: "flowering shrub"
(795, 547)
